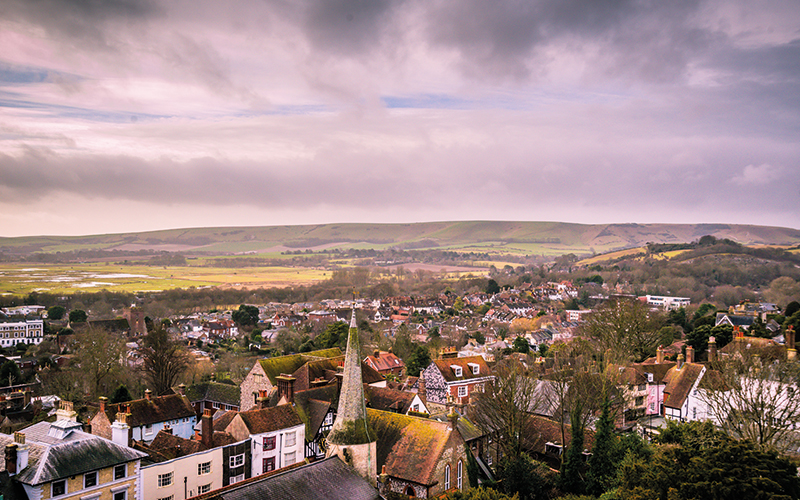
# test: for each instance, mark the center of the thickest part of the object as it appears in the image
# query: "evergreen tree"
(601, 472)
(418, 361)
(121, 395)
(571, 480)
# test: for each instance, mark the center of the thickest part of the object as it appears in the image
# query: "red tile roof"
(449, 375)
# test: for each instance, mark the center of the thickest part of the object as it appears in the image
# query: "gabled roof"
(680, 382)
(214, 391)
(158, 409)
(273, 367)
(381, 398)
(410, 447)
(272, 419)
(330, 479)
(75, 453)
(444, 366)
(385, 361)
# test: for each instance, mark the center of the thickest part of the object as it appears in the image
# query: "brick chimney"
(421, 392)
(167, 429)
(182, 389)
(689, 354)
(285, 388)
(22, 451)
(148, 394)
(791, 352)
(27, 396)
(680, 361)
(712, 349)
(103, 403)
(318, 382)
(262, 399)
(207, 425)
(659, 355)
(11, 458)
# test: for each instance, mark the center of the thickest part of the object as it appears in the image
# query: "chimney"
(11, 459)
(453, 418)
(659, 355)
(27, 396)
(318, 382)
(22, 451)
(423, 395)
(262, 399)
(167, 429)
(120, 430)
(182, 389)
(148, 394)
(689, 354)
(737, 333)
(712, 349)
(103, 403)
(680, 361)
(65, 412)
(791, 352)
(207, 425)
(376, 353)
(285, 388)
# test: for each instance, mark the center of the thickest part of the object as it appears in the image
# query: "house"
(735, 320)
(456, 378)
(211, 395)
(59, 460)
(385, 363)
(277, 433)
(263, 375)
(422, 457)
(146, 417)
(222, 329)
(680, 393)
(330, 479)
(28, 331)
(381, 398)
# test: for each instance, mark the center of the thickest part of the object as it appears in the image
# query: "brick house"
(455, 378)
(385, 363)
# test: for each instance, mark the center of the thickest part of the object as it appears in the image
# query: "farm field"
(91, 277)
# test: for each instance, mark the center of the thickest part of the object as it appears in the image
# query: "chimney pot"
(148, 394)
(182, 389)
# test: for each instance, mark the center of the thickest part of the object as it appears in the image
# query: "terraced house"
(29, 331)
(58, 460)
(146, 417)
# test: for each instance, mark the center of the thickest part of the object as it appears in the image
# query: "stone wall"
(254, 381)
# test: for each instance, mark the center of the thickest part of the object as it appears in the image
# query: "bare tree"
(99, 354)
(754, 398)
(165, 360)
(625, 327)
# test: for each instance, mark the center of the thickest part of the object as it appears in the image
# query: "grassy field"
(21, 280)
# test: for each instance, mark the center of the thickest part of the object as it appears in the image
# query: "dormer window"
(475, 367)
(457, 370)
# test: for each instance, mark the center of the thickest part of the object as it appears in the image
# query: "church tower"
(350, 437)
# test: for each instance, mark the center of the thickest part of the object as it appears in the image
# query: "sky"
(135, 115)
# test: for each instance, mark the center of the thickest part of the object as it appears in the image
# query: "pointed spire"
(350, 426)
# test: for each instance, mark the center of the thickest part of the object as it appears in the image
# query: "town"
(526, 389)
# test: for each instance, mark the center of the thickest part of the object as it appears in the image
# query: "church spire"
(350, 426)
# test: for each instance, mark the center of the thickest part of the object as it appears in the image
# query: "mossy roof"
(265, 420)
(158, 409)
(214, 391)
(273, 367)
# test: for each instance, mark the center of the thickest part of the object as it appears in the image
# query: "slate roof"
(214, 391)
(388, 399)
(158, 409)
(410, 447)
(328, 479)
(735, 319)
(165, 446)
(466, 371)
(679, 383)
(273, 367)
(270, 419)
(77, 452)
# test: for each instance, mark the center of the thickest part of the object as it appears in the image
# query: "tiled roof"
(273, 367)
(214, 391)
(466, 371)
(539, 430)
(329, 479)
(270, 419)
(158, 409)
(679, 383)
(78, 452)
(410, 447)
(380, 398)
(386, 361)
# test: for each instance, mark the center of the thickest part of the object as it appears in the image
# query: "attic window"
(476, 368)
(456, 370)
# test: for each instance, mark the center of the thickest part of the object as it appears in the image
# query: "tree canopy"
(164, 360)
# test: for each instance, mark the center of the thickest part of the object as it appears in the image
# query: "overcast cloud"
(134, 115)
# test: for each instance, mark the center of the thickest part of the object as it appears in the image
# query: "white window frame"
(171, 497)
(289, 458)
(457, 370)
(53, 488)
(236, 460)
(124, 468)
(204, 468)
(460, 474)
(166, 479)
(203, 488)
(87, 476)
(446, 477)
(462, 391)
(237, 479)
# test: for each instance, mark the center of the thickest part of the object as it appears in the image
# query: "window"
(459, 473)
(236, 479)
(291, 439)
(59, 487)
(329, 418)
(476, 368)
(171, 497)
(269, 443)
(215, 405)
(268, 464)
(416, 408)
(237, 460)
(204, 468)
(204, 488)
(288, 458)
(90, 479)
(120, 495)
(462, 391)
(456, 370)
(120, 471)
(164, 479)
(148, 429)
(446, 477)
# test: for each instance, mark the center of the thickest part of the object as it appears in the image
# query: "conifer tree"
(602, 470)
